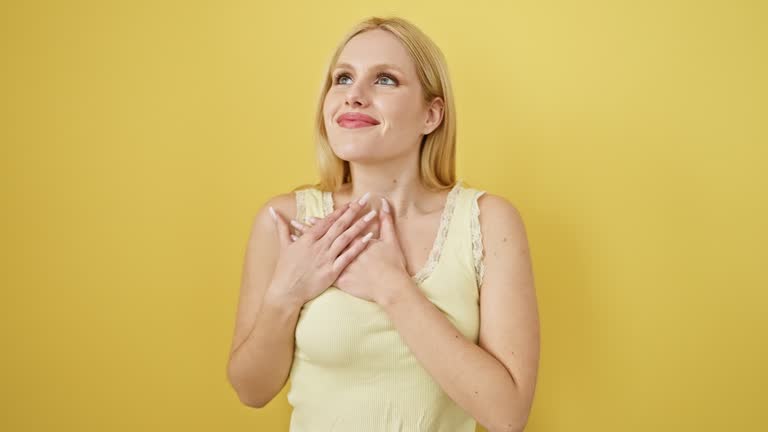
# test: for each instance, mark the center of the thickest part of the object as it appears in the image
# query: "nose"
(356, 95)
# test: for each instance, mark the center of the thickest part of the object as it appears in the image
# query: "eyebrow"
(376, 66)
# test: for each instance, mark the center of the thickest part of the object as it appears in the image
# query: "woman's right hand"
(309, 265)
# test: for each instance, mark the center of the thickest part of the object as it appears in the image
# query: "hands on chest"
(351, 249)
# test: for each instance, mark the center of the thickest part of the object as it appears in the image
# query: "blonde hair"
(437, 165)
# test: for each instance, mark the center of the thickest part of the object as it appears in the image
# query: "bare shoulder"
(263, 241)
(497, 208)
(284, 204)
(500, 219)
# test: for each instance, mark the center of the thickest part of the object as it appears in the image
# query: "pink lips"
(356, 120)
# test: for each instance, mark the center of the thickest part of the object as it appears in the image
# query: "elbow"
(510, 425)
(251, 403)
(514, 420)
(245, 392)
(248, 399)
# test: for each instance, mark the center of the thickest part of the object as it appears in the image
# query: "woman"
(380, 307)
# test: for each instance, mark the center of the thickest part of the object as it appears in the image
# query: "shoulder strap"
(312, 202)
(477, 237)
(443, 231)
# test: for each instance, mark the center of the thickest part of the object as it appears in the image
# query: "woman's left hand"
(379, 268)
(375, 272)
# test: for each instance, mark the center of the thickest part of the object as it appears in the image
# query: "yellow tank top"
(351, 370)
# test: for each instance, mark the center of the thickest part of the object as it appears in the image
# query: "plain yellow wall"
(140, 137)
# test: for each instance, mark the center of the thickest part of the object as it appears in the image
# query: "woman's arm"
(262, 347)
(259, 367)
(493, 381)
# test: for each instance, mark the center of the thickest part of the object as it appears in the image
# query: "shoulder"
(500, 219)
(497, 206)
(284, 204)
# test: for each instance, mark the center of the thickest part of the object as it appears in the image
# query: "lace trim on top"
(442, 234)
(477, 240)
(327, 203)
(300, 206)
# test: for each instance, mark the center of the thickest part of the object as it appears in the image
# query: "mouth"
(354, 124)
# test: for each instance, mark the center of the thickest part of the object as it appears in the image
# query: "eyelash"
(381, 74)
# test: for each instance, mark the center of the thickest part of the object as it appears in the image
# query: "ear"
(434, 115)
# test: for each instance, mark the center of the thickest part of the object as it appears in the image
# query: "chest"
(417, 236)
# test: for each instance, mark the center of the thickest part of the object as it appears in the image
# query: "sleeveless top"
(351, 370)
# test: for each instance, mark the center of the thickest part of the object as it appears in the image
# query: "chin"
(353, 152)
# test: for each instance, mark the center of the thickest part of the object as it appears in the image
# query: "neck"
(402, 188)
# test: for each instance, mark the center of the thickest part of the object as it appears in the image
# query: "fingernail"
(293, 237)
(364, 199)
(384, 205)
(296, 224)
(272, 211)
(369, 216)
(367, 237)
(312, 219)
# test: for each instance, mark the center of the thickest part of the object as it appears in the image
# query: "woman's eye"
(389, 78)
(339, 77)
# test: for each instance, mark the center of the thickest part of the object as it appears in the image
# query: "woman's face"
(375, 75)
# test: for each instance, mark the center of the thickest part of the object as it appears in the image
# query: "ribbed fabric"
(352, 372)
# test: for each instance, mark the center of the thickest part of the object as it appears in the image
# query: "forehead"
(376, 47)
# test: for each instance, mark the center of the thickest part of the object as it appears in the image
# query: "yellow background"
(140, 137)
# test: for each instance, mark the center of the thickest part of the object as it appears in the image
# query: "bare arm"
(279, 276)
(262, 347)
(259, 367)
(494, 380)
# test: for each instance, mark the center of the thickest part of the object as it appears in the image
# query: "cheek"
(330, 103)
(401, 122)
(401, 111)
(327, 108)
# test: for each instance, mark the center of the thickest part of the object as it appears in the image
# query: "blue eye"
(381, 75)
(388, 77)
(336, 79)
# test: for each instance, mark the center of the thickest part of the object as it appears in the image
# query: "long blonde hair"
(437, 166)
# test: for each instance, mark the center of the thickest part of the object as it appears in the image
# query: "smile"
(355, 124)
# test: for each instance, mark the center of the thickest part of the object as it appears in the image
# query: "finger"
(388, 232)
(367, 237)
(350, 234)
(343, 222)
(299, 226)
(283, 232)
(293, 237)
(321, 226)
(351, 252)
